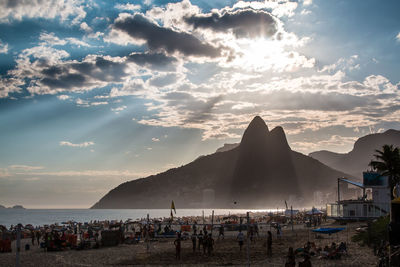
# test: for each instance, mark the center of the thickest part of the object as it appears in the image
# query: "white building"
(363, 208)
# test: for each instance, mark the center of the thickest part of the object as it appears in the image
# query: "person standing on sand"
(38, 237)
(205, 243)
(240, 238)
(177, 244)
(210, 244)
(194, 239)
(269, 244)
(200, 237)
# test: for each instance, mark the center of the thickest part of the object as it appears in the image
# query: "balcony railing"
(357, 210)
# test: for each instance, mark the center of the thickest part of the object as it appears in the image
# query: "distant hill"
(357, 160)
(260, 172)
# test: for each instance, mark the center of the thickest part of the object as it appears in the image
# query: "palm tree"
(387, 163)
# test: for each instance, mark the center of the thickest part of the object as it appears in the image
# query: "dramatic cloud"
(139, 27)
(84, 144)
(155, 61)
(246, 23)
(50, 9)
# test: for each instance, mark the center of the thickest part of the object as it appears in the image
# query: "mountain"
(261, 172)
(227, 147)
(357, 160)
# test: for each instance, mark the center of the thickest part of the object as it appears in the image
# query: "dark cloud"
(155, 61)
(160, 38)
(243, 23)
(98, 69)
(65, 81)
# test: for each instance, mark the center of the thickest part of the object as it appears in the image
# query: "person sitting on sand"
(343, 248)
(177, 244)
(306, 262)
(240, 238)
(291, 259)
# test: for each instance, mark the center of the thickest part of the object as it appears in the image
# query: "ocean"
(49, 216)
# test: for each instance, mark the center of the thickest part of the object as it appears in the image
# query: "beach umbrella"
(314, 211)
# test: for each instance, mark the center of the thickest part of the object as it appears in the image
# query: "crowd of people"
(74, 235)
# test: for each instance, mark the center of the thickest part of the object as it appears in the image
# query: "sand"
(226, 252)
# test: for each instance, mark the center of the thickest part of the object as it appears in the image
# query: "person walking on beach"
(269, 244)
(200, 238)
(194, 241)
(33, 237)
(177, 244)
(240, 238)
(278, 231)
(221, 232)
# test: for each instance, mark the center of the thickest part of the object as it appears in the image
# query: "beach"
(226, 252)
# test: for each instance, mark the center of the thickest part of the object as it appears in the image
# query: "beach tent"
(314, 211)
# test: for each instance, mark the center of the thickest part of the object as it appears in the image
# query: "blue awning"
(328, 230)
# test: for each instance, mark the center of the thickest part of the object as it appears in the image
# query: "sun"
(262, 55)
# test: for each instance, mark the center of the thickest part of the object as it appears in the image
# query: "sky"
(97, 93)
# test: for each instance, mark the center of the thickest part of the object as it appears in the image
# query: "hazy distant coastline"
(13, 207)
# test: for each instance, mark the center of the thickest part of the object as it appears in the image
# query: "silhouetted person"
(205, 243)
(240, 238)
(194, 241)
(291, 259)
(33, 237)
(221, 232)
(210, 244)
(200, 238)
(177, 244)
(38, 237)
(269, 244)
(306, 262)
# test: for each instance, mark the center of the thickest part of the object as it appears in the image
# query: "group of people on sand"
(203, 240)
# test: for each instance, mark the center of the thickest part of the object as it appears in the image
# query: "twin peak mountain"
(261, 172)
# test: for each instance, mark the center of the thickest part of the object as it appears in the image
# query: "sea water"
(38, 217)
